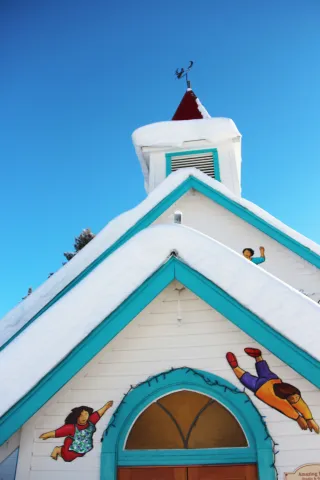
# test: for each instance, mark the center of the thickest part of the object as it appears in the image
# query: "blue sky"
(77, 77)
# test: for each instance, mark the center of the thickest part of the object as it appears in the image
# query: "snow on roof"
(75, 315)
(14, 320)
(190, 108)
(170, 134)
(175, 134)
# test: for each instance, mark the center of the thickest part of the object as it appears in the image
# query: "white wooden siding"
(153, 342)
(208, 217)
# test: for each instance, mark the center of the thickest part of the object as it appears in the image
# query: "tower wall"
(154, 142)
(228, 160)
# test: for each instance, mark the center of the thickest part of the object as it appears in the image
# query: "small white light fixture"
(177, 217)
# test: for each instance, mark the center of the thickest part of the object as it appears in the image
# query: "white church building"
(182, 343)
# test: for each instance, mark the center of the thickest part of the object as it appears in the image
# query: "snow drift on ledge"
(14, 320)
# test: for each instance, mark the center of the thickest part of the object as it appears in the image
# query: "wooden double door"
(234, 472)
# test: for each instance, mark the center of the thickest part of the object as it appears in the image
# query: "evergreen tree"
(81, 241)
(68, 255)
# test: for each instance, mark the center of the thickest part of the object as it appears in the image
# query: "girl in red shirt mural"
(79, 429)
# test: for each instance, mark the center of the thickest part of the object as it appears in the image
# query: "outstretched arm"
(304, 410)
(262, 252)
(47, 435)
(64, 431)
(106, 407)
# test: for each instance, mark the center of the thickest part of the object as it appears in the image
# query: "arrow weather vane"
(184, 73)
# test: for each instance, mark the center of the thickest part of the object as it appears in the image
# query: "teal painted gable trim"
(85, 351)
(131, 307)
(249, 323)
(259, 450)
(256, 222)
(215, 157)
(159, 209)
(143, 223)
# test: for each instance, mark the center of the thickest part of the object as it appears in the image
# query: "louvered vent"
(202, 161)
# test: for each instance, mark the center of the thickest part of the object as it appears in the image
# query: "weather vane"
(184, 73)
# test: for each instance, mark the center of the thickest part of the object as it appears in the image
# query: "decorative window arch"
(185, 419)
(257, 447)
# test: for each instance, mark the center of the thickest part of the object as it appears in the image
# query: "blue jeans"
(264, 375)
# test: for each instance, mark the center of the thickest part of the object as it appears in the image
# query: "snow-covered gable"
(70, 320)
(17, 318)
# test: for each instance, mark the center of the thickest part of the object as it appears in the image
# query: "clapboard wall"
(155, 341)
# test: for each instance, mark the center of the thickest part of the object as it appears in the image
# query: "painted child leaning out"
(78, 429)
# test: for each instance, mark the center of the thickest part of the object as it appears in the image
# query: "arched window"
(185, 419)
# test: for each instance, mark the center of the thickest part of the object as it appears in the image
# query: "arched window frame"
(258, 451)
(185, 430)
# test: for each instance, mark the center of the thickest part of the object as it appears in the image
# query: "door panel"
(153, 473)
(234, 472)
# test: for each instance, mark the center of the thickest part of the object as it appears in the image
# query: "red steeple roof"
(190, 108)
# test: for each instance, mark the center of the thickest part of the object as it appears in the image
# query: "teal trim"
(216, 164)
(168, 164)
(143, 223)
(187, 457)
(85, 351)
(256, 222)
(292, 355)
(259, 442)
(215, 157)
(159, 209)
(249, 323)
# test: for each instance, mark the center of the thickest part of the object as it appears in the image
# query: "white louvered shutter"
(202, 161)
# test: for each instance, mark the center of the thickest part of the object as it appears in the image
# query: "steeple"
(190, 108)
(191, 139)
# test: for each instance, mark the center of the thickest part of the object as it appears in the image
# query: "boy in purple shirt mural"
(248, 253)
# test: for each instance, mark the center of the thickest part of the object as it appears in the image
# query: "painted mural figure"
(249, 252)
(78, 429)
(268, 387)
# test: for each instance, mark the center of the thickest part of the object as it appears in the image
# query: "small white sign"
(308, 472)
